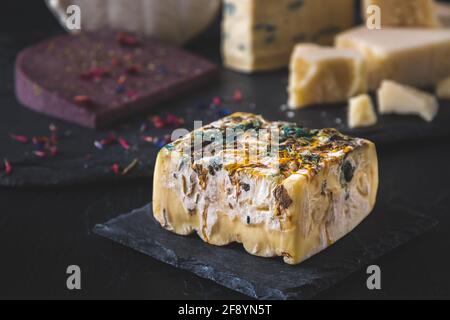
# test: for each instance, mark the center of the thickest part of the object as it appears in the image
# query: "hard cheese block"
(325, 75)
(96, 79)
(411, 56)
(405, 13)
(400, 99)
(361, 112)
(259, 35)
(279, 189)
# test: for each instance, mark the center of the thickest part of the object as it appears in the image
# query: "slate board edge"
(223, 278)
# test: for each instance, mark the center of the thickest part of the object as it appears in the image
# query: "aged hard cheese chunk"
(400, 99)
(443, 89)
(416, 57)
(405, 13)
(361, 112)
(259, 35)
(324, 75)
(305, 190)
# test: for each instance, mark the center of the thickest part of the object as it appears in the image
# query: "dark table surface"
(44, 230)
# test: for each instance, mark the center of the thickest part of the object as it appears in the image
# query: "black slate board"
(263, 94)
(384, 230)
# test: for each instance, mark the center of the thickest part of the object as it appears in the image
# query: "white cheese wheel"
(176, 21)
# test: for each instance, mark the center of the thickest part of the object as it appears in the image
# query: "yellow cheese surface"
(291, 203)
(411, 56)
(258, 35)
(404, 100)
(404, 13)
(361, 112)
(324, 75)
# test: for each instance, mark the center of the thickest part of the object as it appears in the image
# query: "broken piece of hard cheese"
(259, 35)
(404, 13)
(443, 89)
(324, 75)
(361, 112)
(301, 191)
(416, 57)
(400, 99)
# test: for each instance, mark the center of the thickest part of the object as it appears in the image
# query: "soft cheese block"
(411, 56)
(277, 188)
(404, 100)
(325, 75)
(404, 13)
(443, 89)
(361, 112)
(258, 35)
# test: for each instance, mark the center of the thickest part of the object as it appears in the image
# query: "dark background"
(43, 230)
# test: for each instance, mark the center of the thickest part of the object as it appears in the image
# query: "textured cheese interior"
(324, 206)
(258, 35)
(416, 57)
(325, 75)
(405, 13)
(400, 99)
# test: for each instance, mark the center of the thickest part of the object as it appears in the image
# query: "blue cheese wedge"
(258, 35)
(277, 188)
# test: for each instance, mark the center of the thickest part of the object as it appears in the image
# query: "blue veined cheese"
(258, 35)
(304, 191)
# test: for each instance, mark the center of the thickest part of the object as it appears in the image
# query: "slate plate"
(384, 230)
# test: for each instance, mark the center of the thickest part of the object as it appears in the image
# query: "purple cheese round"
(97, 79)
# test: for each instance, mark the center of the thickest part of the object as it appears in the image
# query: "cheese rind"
(292, 201)
(404, 13)
(443, 89)
(411, 56)
(400, 99)
(258, 35)
(361, 112)
(324, 75)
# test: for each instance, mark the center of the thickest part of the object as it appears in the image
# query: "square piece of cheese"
(325, 75)
(400, 99)
(361, 112)
(411, 56)
(277, 188)
(258, 35)
(404, 13)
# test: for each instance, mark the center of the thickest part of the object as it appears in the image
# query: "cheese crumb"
(443, 89)
(400, 99)
(361, 112)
